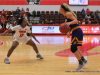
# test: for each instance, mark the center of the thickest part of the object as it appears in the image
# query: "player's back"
(69, 20)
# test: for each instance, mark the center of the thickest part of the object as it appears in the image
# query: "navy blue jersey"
(77, 34)
(69, 20)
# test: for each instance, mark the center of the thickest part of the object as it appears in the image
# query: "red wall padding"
(13, 2)
(59, 2)
(44, 2)
(53, 2)
(94, 3)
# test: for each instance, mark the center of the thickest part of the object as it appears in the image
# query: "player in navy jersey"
(77, 34)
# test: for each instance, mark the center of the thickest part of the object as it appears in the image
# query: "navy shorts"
(77, 37)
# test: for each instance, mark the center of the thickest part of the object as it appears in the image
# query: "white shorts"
(24, 40)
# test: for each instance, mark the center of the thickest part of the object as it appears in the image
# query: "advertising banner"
(55, 29)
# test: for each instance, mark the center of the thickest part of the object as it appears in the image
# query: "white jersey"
(8, 26)
(0, 26)
(20, 32)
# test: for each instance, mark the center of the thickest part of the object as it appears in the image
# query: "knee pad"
(74, 49)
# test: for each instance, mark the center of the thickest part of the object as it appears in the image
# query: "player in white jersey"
(21, 35)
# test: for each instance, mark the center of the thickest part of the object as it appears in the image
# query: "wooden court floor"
(55, 62)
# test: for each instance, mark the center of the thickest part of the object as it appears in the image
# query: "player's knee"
(74, 49)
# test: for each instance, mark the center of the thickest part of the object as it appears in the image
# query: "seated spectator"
(9, 25)
(0, 28)
(27, 10)
(8, 20)
(17, 13)
(3, 12)
(93, 15)
(12, 13)
(19, 18)
(14, 24)
(88, 11)
(87, 16)
(87, 21)
(42, 22)
(3, 27)
(97, 23)
(46, 21)
(83, 15)
(51, 22)
(96, 13)
(7, 14)
(83, 22)
(13, 20)
(3, 19)
(35, 22)
(22, 11)
(25, 16)
(83, 11)
(18, 9)
(79, 22)
(28, 13)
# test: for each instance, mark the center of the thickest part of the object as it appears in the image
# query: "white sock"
(7, 57)
(38, 53)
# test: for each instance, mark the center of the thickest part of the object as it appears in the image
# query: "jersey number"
(21, 35)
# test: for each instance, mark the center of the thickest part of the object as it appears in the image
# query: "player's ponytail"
(21, 20)
(66, 8)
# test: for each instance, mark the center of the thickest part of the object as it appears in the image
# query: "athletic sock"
(82, 58)
(38, 53)
(7, 57)
(80, 62)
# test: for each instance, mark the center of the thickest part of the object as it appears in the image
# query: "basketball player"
(20, 36)
(77, 34)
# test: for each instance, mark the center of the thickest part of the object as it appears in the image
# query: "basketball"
(64, 28)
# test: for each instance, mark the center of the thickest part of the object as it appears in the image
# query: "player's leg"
(14, 45)
(77, 55)
(80, 37)
(31, 43)
(82, 57)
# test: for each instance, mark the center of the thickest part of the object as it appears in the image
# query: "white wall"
(46, 7)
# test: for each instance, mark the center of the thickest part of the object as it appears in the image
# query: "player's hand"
(38, 41)
(68, 35)
(68, 23)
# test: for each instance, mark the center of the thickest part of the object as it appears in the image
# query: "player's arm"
(68, 34)
(31, 34)
(7, 31)
(72, 17)
(10, 30)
